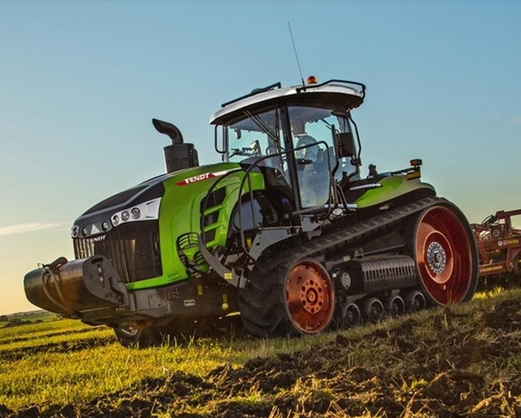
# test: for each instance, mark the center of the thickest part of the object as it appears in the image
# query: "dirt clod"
(4, 411)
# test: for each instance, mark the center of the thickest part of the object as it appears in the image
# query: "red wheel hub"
(309, 295)
(312, 296)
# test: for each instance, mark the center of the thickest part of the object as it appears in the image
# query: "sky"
(80, 82)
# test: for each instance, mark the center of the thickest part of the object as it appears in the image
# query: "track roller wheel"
(138, 337)
(351, 315)
(415, 301)
(288, 301)
(395, 306)
(445, 253)
(374, 310)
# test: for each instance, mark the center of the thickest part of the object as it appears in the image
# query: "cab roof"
(332, 94)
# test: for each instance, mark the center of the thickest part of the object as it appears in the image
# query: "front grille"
(133, 248)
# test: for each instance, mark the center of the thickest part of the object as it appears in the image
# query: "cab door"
(311, 135)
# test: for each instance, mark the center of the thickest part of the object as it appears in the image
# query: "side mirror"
(255, 148)
(346, 144)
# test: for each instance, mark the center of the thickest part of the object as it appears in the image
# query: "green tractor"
(285, 234)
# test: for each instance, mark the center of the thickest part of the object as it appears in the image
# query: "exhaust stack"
(178, 155)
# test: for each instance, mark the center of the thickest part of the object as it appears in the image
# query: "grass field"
(442, 362)
(36, 316)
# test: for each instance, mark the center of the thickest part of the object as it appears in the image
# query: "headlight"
(143, 212)
(136, 213)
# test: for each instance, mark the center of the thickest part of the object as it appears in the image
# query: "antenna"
(296, 55)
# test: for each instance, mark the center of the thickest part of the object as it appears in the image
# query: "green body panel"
(180, 212)
(391, 188)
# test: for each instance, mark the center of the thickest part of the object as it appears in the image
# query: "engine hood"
(139, 195)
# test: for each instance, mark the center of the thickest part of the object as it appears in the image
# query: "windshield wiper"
(262, 125)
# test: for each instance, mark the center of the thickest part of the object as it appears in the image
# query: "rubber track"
(262, 303)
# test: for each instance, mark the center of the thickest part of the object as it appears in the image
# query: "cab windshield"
(257, 135)
(261, 134)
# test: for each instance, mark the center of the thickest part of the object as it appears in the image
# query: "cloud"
(23, 228)
(516, 120)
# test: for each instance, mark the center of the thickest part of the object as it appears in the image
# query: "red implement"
(499, 246)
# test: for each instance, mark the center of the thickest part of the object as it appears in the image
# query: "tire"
(443, 246)
(138, 338)
(292, 300)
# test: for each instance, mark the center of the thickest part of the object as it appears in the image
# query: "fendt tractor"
(285, 233)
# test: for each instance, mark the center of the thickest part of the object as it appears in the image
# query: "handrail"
(334, 80)
(299, 89)
(255, 165)
(330, 205)
(254, 92)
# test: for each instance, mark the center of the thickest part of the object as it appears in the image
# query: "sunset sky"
(80, 82)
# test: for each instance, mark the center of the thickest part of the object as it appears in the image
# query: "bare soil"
(61, 347)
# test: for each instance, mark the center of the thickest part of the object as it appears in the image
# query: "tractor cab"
(302, 137)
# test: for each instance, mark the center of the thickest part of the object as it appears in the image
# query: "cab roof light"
(312, 80)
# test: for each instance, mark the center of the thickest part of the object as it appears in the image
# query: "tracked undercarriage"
(359, 273)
